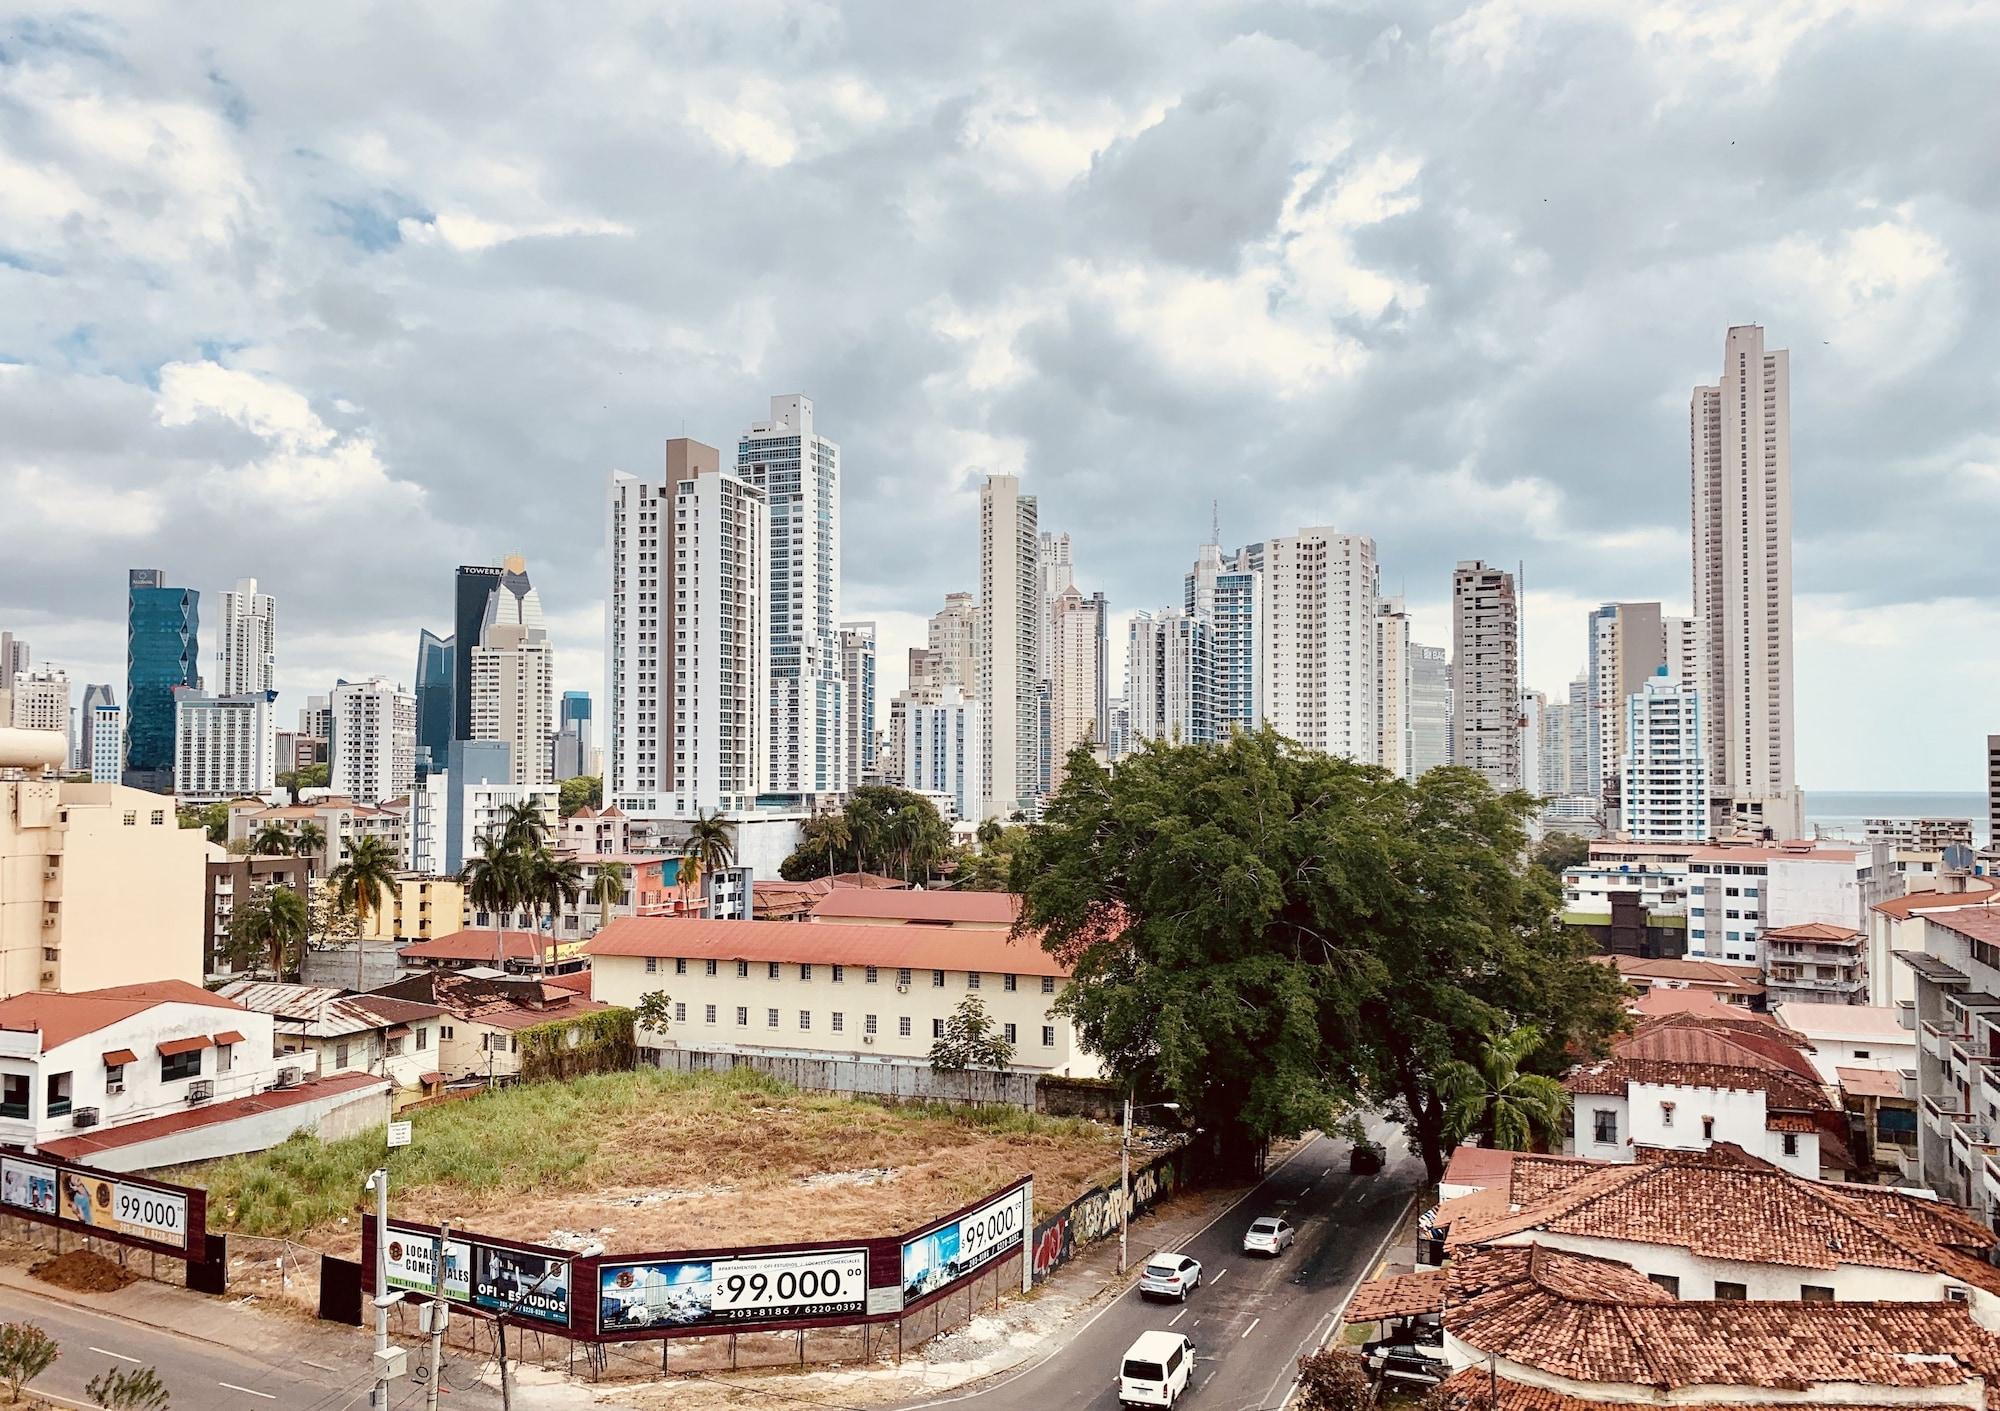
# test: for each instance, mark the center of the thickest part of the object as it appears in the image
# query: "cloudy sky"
(341, 296)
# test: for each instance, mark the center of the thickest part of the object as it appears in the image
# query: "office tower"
(1117, 729)
(941, 751)
(1740, 459)
(1529, 711)
(1076, 670)
(225, 747)
(1170, 678)
(1319, 625)
(954, 639)
(1055, 571)
(1627, 645)
(1665, 768)
(87, 743)
(1229, 591)
(798, 473)
(436, 689)
(374, 740)
(313, 744)
(1009, 603)
(1486, 673)
(41, 700)
(104, 728)
(1394, 681)
(513, 675)
(472, 589)
(572, 747)
(246, 651)
(162, 652)
(1430, 709)
(857, 670)
(13, 656)
(639, 630)
(1580, 768)
(721, 657)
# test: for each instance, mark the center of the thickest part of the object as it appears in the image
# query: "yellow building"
(99, 884)
(420, 908)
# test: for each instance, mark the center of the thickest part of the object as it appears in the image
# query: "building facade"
(1394, 682)
(104, 730)
(857, 669)
(1229, 591)
(1486, 673)
(436, 689)
(942, 750)
(162, 652)
(225, 747)
(1319, 625)
(1076, 669)
(246, 653)
(572, 752)
(513, 675)
(1663, 771)
(473, 587)
(1170, 678)
(374, 746)
(1430, 709)
(721, 655)
(41, 700)
(1007, 638)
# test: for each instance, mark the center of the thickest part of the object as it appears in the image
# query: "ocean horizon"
(1842, 812)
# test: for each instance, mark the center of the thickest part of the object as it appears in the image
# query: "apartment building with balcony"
(1816, 963)
(1955, 1013)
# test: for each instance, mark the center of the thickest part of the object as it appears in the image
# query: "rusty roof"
(59, 1018)
(914, 905)
(907, 947)
(105, 1139)
(1397, 1296)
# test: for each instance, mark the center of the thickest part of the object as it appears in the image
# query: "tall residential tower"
(1486, 673)
(1007, 638)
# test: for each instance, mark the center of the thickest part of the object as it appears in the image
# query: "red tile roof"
(950, 908)
(912, 947)
(1979, 923)
(576, 981)
(522, 1017)
(1397, 1296)
(63, 1017)
(1479, 1166)
(1869, 1082)
(1479, 1387)
(105, 1139)
(1977, 892)
(1708, 973)
(1814, 931)
(480, 945)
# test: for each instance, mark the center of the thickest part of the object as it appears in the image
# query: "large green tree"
(585, 790)
(1274, 937)
(882, 829)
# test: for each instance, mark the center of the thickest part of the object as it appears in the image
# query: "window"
(839, 1022)
(14, 1096)
(708, 1014)
(1666, 1114)
(840, 974)
(871, 976)
(652, 965)
(937, 1028)
(58, 1091)
(1668, 1282)
(1726, 1290)
(770, 1018)
(1604, 1126)
(1708, 1129)
(867, 1023)
(742, 1015)
(680, 1013)
(1815, 1293)
(423, 1039)
(742, 969)
(1007, 1032)
(805, 1019)
(680, 965)
(1861, 1053)
(1007, 982)
(444, 1031)
(773, 970)
(1790, 1143)
(903, 1027)
(222, 1060)
(937, 979)
(903, 977)
(114, 1074)
(972, 979)
(1048, 1036)
(710, 968)
(1048, 984)
(174, 1067)
(805, 972)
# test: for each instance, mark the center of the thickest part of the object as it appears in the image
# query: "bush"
(25, 1353)
(1333, 1380)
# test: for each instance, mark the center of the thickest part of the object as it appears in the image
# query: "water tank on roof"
(32, 749)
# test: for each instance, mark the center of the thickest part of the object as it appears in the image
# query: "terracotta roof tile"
(1979, 923)
(948, 908)
(1478, 1165)
(1710, 973)
(1869, 1082)
(1814, 931)
(482, 945)
(1397, 1296)
(1477, 1389)
(913, 947)
(63, 1017)
(1977, 891)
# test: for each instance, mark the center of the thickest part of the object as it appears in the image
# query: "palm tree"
(491, 878)
(837, 833)
(284, 926)
(555, 882)
(310, 842)
(608, 890)
(710, 847)
(522, 826)
(369, 871)
(271, 840)
(1514, 1110)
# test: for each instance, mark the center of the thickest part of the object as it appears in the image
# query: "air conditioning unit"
(201, 1090)
(50, 874)
(867, 1038)
(287, 1077)
(114, 1088)
(48, 922)
(902, 989)
(84, 1117)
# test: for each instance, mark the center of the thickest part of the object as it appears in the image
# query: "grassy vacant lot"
(652, 1160)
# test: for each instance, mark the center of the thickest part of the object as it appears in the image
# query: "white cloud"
(42, 502)
(469, 233)
(1884, 295)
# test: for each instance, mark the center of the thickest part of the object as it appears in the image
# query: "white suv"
(1169, 1276)
(1156, 1370)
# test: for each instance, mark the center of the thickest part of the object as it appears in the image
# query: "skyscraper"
(941, 752)
(473, 586)
(1430, 709)
(1319, 624)
(1393, 684)
(374, 740)
(857, 671)
(1170, 677)
(246, 652)
(225, 747)
(1055, 571)
(1665, 768)
(41, 699)
(513, 675)
(953, 637)
(89, 745)
(1629, 643)
(798, 473)
(1486, 672)
(1076, 671)
(162, 652)
(1740, 460)
(104, 729)
(1229, 591)
(572, 745)
(1007, 638)
(14, 656)
(721, 657)
(437, 670)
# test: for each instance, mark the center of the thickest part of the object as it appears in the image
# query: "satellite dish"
(1958, 857)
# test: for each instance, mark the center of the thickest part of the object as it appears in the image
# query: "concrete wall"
(881, 1078)
(330, 1118)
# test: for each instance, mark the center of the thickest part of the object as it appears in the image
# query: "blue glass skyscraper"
(162, 652)
(437, 674)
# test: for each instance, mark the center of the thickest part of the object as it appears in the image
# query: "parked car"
(1268, 1235)
(1172, 1276)
(1156, 1370)
(1411, 1355)
(1366, 1159)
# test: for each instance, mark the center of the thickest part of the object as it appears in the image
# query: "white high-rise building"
(1740, 460)
(1170, 678)
(105, 729)
(1629, 643)
(721, 662)
(1054, 571)
(1532, 704)
(1076, 670)
(1430, 709)
(374, 740)
(1394, 683)
(857, 669)
(942, 752)
(798, 472)
(954, 640)
(41, 699)
(246, 654)
(1486, 673)
(1665, 768)
(1007, 638)
(513, 676)
(1319, 625)
(225, 747)
(1229, 591)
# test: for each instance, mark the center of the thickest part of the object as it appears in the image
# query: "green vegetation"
(25, 1353)
(136, 1389)
(584, 789)
(268, 925)
(1513, 1110)
(1275, 938)
(1334, 1380)
(971, 1040)
(883, 829)
(214, 817)
(710, 847)
(1557, 851)
(989, 868)
(598, 1042)
(516, 869)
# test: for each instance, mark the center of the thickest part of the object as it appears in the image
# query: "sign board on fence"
(764, 1288)
(97, 1202)
(515, 1281)
(934, 1259)
(399, 1134)
(412, 1264)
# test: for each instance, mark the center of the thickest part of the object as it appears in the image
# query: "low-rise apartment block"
(1955, 1014)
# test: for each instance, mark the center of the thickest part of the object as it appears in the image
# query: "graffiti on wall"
(1094, 1215)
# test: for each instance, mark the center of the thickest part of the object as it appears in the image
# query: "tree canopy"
(584, 789)
(882, 829)
(1275, 937)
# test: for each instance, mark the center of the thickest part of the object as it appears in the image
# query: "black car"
(1366, 1159)
(1414, 1356)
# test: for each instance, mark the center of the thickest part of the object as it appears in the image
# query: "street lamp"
(1125, 1167)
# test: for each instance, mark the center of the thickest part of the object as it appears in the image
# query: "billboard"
(727, 1291)
(94, 1202)
(517, 1282)
(411, 1262)
(950, 1252)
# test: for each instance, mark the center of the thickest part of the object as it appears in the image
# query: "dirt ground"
(83, 1271)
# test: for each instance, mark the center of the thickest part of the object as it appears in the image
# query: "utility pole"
(1124, 1183)
(440, 1320)
(380, 1180)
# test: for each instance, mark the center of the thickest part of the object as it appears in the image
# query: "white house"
(341, 1033)
(1850, 1036)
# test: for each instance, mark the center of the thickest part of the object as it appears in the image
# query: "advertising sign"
(412, 1264)
(514, 1281)
(93, 1201)
(724, 1291)
(932, 1260)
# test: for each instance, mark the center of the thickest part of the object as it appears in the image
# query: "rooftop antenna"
(1215, 523)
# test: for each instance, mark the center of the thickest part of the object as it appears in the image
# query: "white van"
(1156, 1370)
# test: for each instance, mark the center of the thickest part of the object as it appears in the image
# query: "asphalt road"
(1253, 1316)
(201, 1374)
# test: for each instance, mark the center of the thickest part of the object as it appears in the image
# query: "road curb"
(34, 1288)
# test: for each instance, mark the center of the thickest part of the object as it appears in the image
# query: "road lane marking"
(107, 1352)
(1319, 1340)
(231, 1386)
(1177, 1317)
(1218, 1276)
(1249, 1330)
